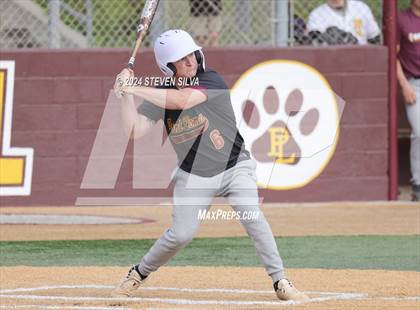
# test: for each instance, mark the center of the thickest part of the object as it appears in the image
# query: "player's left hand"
(121, 81)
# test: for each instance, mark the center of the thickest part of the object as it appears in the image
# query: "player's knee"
(183, 237)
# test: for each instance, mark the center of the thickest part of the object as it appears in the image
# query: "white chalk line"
(147, 299)
(157, 288)
(60, 307)
(168, 300)
(327, 296)
(55, 287)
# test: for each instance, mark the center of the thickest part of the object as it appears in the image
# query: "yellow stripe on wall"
(11, 169)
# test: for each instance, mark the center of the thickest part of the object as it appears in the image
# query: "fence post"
(390, 31)
(281, 22)
(53, 23)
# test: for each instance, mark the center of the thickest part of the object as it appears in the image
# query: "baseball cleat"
(286, 291)
(130, 283)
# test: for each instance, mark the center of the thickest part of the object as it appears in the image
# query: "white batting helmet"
(171, 46)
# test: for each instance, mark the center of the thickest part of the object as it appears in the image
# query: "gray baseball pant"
(193, 193)
(413, 115)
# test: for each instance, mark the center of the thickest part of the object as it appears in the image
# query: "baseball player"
(353, 17)
(408, 73)
(212, 159)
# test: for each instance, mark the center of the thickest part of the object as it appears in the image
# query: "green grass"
(335, 252)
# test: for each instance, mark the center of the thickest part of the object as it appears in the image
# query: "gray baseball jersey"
(205, 137)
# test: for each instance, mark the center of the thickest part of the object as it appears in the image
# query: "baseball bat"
(146, 18)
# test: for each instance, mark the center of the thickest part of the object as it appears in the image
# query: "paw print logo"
(282, 144)
(288, 115)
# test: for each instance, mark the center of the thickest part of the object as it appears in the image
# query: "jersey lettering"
(358, 26)
(217, 139)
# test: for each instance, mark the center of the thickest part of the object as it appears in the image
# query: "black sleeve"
(212, 84)
(150, 111)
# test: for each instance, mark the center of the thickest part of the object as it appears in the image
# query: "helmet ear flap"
(200, 60)
(172, 67)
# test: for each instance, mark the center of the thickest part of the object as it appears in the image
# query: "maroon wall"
(60, 95)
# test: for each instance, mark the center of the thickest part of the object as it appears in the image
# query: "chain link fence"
(112, 23)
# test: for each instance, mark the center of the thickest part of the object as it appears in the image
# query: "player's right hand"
(409, 94)
(121, 81)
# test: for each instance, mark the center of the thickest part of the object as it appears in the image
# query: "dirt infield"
(214, 287)
(207, 288)
(285, 219)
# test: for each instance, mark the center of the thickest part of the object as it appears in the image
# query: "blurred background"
(112, 23)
